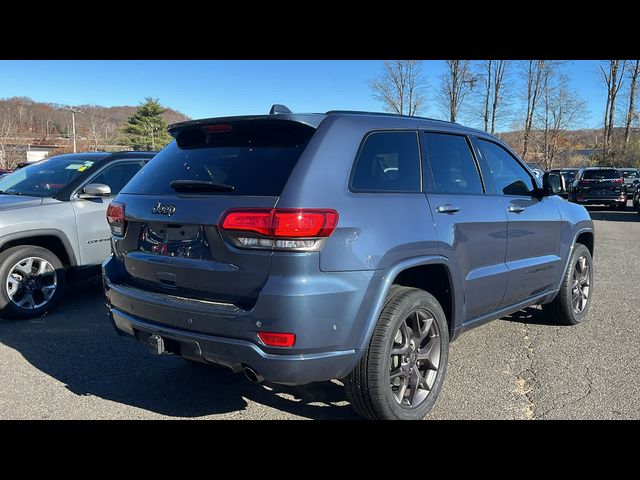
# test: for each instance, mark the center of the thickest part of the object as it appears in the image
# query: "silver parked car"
(53, 220)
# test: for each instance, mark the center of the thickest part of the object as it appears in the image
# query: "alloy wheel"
(31, 283)
(415, 358)
(581, 285)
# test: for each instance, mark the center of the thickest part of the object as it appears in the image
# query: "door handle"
(516, 209)
(448, 208)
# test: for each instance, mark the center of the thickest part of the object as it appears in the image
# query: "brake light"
(218, 128)
(249, 220)
(279, 228)
(273, 339)
(115, 218)
(304, 223)
(618, 180)
(282, 223)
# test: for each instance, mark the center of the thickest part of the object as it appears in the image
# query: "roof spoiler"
(277, 108)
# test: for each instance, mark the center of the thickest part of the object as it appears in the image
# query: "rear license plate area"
(175, 240)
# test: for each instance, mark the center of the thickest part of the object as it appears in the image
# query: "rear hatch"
(605, 184)
(172, 243)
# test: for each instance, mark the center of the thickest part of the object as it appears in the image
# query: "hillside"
(39, 119)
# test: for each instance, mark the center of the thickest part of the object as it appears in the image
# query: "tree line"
(530, 101)
(24, 122)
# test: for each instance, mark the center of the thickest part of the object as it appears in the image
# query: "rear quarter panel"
(375, 230)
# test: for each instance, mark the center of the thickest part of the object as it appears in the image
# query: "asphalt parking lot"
(71, 364)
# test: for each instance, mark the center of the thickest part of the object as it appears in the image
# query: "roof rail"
(384, 114)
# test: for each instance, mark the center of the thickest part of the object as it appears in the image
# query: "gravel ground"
(71, 365)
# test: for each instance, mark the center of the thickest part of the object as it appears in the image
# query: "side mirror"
(96, 190)
(551, 184)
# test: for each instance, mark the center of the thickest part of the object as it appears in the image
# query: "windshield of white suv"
(45, 178)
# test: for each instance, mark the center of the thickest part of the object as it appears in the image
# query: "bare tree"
(10, 141)
(399, 87)
(631, 112)
(612, 78)
(486, 76)
(536, 73)
(500, 69)
(561, 108)
(96, 128)
(455, 84)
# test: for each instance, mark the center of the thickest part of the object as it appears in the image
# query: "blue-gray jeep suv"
(347, 245)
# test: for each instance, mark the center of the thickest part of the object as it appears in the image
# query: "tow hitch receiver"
(155, 344)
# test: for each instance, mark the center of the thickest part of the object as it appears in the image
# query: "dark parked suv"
(306, 247)
(599, 186)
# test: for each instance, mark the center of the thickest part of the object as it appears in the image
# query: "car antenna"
(277, 108)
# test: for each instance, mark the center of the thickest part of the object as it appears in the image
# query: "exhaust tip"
(252, 375)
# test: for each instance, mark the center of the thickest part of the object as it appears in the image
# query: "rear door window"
(116, 176)
(255, 157)
(451, 164)
(388, 162)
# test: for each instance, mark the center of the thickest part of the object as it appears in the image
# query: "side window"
(388, 162)
(118, 175)
(509, 177)
(453, 169)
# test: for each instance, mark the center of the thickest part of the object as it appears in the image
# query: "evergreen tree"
(147, 129)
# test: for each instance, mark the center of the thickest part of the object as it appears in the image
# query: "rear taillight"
(273, 339)
(618, 180)
(279, 228)
(115, 218)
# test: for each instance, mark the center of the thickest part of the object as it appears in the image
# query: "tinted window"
(255, 157)
(388, 162)
(598, 174)
(509, 177)
(117, 176)
(452, 166)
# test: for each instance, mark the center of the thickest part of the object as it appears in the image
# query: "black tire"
(561, 309)
(40, 287)
(368, 386)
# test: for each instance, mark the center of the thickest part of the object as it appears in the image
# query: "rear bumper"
(236, 354)
(320, 308)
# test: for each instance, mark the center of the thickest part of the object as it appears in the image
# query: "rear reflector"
(282, 223)
(273, 339)
(115, 218)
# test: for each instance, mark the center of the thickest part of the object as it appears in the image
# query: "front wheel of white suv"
(32, 280)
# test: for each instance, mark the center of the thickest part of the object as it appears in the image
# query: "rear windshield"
(254, 157)
(598, 174)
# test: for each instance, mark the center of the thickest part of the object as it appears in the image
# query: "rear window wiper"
(200, 186)
(2, 192)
